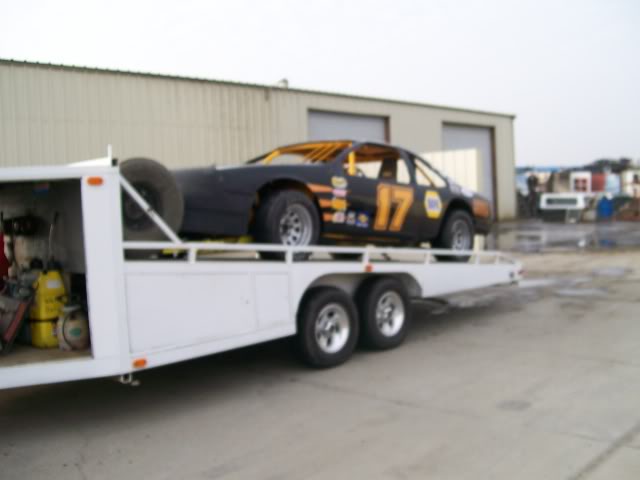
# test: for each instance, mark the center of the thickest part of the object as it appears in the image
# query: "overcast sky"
(569, 70)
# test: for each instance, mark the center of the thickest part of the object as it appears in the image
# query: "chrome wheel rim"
(332, 328)
(461, 235)
(296, 226)
(390, 313)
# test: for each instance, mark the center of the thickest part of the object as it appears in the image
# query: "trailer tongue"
(181, 300)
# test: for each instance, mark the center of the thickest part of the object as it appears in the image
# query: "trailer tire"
(159, 188)
(327, 327)
(385, 312)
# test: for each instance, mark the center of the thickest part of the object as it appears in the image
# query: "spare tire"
(157, 185)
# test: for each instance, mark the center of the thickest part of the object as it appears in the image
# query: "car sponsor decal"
(339, 192)
(362, 220)
(432, 204)
(339, 182)
(339, 203)
(338, 217)
(351, 218)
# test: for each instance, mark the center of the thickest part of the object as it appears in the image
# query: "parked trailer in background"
(154, 303)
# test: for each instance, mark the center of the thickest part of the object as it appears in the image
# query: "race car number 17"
(388, 194)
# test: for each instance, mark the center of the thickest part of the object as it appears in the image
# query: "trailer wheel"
(158, 187)
(385, 312)
(327, 327)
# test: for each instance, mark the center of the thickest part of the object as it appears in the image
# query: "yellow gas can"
(49, 297)
(43, 334)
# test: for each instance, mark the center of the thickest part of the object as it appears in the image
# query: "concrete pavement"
(538, 382)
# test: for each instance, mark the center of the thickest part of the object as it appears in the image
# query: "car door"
(432, 194)
(381, 195)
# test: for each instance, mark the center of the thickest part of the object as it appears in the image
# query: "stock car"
(327, 192)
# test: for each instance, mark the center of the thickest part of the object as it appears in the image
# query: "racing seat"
(388, 169)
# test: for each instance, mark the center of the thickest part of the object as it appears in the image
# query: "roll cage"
(336, 152)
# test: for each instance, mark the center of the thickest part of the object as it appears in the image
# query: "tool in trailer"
(49, 299)
(15, 300)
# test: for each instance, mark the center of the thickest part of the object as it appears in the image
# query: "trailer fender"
(350, 282)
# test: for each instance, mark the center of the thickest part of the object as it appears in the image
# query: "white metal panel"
(104, 263)
(60, 371)
(177, 310)
(272, 299)
(340, 126)
(460, 137)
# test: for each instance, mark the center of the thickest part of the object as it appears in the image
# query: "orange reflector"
(140, 363)
(95, 181)
(368, 268)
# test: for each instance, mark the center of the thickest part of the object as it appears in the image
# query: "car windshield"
(304, 153)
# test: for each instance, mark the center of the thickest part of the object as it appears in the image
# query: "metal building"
(52, 114)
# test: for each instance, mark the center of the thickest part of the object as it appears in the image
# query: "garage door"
(460, 137)
(345, 126)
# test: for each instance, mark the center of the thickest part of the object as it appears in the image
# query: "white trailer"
(213, 297)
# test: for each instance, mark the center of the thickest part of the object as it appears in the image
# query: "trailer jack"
(127, 379)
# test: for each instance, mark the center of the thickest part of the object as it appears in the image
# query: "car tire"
(328, 327)
(385, 313)
(291, 210)
(457, 233)
(159, 188)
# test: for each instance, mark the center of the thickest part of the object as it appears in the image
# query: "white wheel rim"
(332, 328)
(390, 313)
(296, 226)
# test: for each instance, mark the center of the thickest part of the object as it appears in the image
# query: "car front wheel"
(457, 234)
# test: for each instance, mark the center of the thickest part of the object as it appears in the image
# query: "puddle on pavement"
(537, 236)
(612, 271)
(581, 292)
(537, 282)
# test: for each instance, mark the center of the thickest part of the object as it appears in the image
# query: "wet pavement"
(532, 236)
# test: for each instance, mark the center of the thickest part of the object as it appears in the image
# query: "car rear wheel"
(290, 218)
(457, 234)
(385, 313)
(327, 327)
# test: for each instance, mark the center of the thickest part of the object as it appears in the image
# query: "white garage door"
(459, 137)
(345, 126)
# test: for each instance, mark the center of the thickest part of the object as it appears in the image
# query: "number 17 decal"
(388, 194)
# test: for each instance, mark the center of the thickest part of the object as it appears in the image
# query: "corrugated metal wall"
(55, 115)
